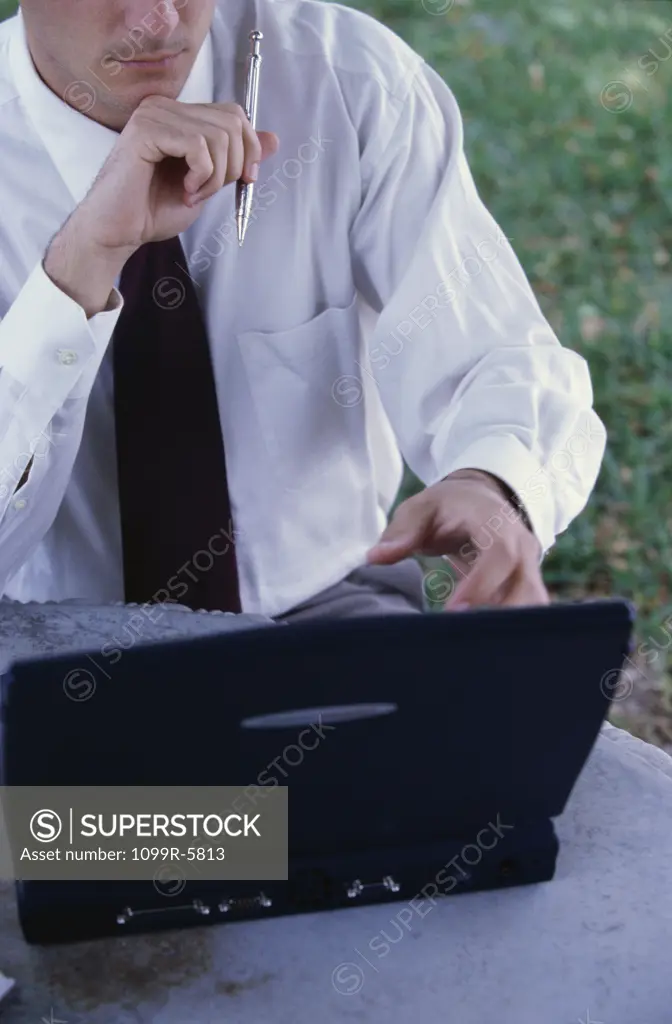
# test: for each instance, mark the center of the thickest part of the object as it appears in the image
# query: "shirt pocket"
(307, 396)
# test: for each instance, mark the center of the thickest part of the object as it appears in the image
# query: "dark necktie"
(177, 532)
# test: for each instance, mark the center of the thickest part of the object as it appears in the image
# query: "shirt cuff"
(504, 456)
(46, 343)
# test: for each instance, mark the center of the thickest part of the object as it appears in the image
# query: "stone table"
(594, 945)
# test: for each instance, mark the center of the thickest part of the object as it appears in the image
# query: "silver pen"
(245, 191)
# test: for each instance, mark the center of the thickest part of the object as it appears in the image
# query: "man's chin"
(133, 83)
(161, 87)
(135, 92)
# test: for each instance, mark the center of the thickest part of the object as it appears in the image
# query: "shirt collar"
(77, 145)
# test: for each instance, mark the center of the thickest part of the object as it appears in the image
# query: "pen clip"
(254, 60)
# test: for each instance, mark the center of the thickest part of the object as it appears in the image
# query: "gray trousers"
(368, 590)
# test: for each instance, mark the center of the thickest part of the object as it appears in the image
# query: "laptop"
(431, 728)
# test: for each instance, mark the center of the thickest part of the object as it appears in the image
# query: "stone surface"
(593, 945)
(36, 629)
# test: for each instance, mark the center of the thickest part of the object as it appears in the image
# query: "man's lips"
(155, 61)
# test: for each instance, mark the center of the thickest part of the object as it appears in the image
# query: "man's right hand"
(169, 156)
(168, 159)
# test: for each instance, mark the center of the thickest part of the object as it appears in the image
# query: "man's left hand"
(469, 520)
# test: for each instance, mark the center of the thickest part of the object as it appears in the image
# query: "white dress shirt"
(376, 309)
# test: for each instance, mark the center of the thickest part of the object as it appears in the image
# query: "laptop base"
(413, 876)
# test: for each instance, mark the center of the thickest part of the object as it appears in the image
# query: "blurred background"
(568, 127)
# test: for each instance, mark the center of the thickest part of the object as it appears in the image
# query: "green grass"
(584, 190)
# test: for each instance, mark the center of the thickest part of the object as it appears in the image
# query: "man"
(185, 419)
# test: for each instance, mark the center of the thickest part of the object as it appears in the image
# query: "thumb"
(270, 143)
(404, 534)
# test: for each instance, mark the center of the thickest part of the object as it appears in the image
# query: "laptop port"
(129, 913)
(245, 904)
(356, 888)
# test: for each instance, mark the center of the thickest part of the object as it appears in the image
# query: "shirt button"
(66, 356)
(20, 503)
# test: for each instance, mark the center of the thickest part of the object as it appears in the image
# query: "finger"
(201, 168)
(267, 144)
(405, 534)
(236, 148)
(270, 143)
(525, 595)
(228, 158)
(219, 149)
(460, 565)
(253, 150)
(231, 119)
(525, 586)
(236, 165)
(222, 132)
(258, 145)
(230, 113)
(159, 130)
(491, 583)
(225, 142)
(193, 148)
(459, 571)
(158, 110)
(491, 573)
(231, 160)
